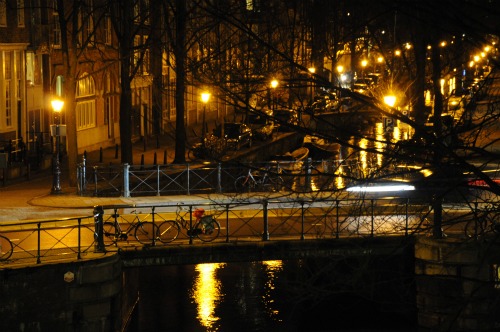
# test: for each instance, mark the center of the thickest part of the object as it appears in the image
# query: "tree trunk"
(125, 79)
(180, 56)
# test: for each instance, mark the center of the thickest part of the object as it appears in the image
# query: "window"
(140, 50)
(89, 14)
(56, 43)
(20, 13)
(85, 103)
(7, 75)
(107, 30)
(3, 13)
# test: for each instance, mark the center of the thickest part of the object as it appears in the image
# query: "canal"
(320, 294)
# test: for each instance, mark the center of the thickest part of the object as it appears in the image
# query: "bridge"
(257, 227)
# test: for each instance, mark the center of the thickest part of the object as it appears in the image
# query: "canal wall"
(457, 284)
(80, 296)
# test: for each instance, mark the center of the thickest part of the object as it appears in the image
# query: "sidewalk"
(22, 199)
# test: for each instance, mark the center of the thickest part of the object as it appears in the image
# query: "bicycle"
(252, 181)
(144, 231)
(6, 248)
(488, 220)
(206, 227)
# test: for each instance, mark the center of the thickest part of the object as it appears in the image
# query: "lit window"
(85, 103)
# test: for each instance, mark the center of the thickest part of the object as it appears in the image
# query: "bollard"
(165, 157)
(100, 154)
(83, 177)
(99, 229)
(154, 159)
(116, 151)
(142, 161)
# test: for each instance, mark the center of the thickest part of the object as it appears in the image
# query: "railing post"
(79, 255)
(38, 251)
(227, 223)
(265, 233)
(337, 212)
(302, 237)
(99, 228)
(219, 178)
(407, 216)
(190, 232)
(153, 221)
(372, 231)
(126, 179)
(187, 175)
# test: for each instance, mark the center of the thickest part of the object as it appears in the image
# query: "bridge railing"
(248, 219)
(157, 180)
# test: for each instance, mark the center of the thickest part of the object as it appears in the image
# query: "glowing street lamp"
(274, 85)
(364, 63)
(390, 100)
(57, 106)
(205, 98)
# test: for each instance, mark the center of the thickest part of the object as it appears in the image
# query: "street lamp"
(205, 97)
(340, 70)
(390, 100)
(57, 106)
(274, 85)
(364, 63)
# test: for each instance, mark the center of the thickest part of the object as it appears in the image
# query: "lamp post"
(205, 97)
(274, 85)
(312, 71)
(57, 106)
(364, 63)
(340, 71)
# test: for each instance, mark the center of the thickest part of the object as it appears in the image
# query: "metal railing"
(257, 219)
(157, 180)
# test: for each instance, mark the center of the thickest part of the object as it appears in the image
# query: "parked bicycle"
(259, 180)
(6, 248)
(484, 221)
(206, 228)
(143, 231)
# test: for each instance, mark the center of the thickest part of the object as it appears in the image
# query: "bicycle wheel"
(168, 231)
(110, 233)
(207, 229)
(6, 248)
(146, 232)
(242, 184)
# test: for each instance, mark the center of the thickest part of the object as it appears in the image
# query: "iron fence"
(240, 220)
(195, 178)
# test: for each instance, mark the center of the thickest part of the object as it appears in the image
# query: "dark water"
(326, 295)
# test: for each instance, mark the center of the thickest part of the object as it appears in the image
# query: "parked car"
(262, 124)
(286, 119)
(237, 135)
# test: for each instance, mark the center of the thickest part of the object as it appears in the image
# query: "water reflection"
(272, 269)
(206, 293)
(209, 293)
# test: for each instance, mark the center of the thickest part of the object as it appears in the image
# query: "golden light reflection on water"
(206, 293)
(272, 268)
